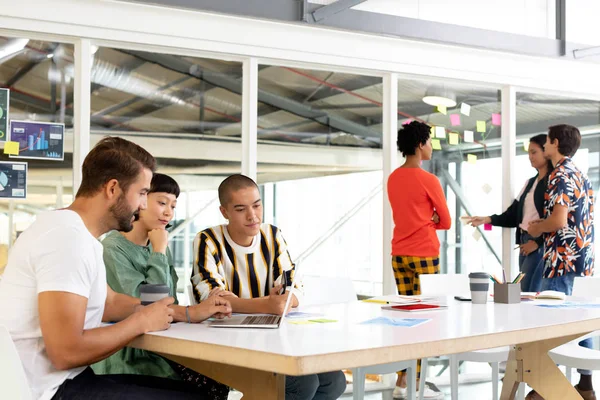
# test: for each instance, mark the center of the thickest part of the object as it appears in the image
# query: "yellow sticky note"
(432, 130)
(11, 148)
(301, 322)
(435, 143)
(442, 109)
(453, 138)
(481, 126)
(471, 158)
(526, 145)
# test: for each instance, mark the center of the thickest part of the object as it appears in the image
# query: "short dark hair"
(569, 138)
(233, 183)
(540, 140)
(162, 183)
(411, 136)
(113, 158)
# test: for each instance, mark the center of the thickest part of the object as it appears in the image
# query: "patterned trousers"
(407, 270)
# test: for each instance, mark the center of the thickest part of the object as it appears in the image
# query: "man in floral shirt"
(568, 226)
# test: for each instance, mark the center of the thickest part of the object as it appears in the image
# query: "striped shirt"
(248, 272)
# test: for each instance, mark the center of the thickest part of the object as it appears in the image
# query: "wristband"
(187, 314)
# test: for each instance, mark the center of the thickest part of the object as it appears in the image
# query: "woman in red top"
(419, 209)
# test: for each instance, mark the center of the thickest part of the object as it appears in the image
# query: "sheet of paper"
(440, 132)
(468, 137)
(299, 314)
(476, 234)
(455, 119)
(481, 126)
(465, 109)
(436, 144)
(453, 138)
(323, 320)
(400, 322)
(11, 148)
(471, 158)
(496, 119)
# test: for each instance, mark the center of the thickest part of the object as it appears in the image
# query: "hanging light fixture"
(438, 95)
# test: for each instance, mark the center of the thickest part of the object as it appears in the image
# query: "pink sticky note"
(487, 227)
(455, 119)
(408, 121)
(496, 119)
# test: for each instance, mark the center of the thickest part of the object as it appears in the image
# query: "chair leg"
(358, 384)
(495, 379)
(424, 365)
(411, 380)
(454, 377)
(569, 373)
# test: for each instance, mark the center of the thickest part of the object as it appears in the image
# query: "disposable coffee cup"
(480, 284)
(149, 293)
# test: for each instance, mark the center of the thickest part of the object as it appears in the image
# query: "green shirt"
(127, 267)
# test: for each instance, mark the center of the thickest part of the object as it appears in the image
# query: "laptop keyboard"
(261, 320)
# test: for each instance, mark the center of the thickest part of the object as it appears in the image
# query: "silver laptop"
(257, 320)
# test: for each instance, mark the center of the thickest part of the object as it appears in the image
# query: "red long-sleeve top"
(414, 195)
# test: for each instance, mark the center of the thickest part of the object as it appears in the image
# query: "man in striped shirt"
(248, 260)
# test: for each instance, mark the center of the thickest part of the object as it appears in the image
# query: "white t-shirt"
(530, 213)
(56, 253)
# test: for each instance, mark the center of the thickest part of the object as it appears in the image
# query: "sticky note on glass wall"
(455, 119)
(453, 138)
(468, 137)
(526, 145)
(440, 132)
(442, 109)
(481, 126)
(496, 119)
(408, 121)
(487, 227)
(476, 234)
(435, 143)
(486, 188)
(465, 109)
(471, 158)
(11, 148)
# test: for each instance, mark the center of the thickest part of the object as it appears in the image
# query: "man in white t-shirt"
(55, 294)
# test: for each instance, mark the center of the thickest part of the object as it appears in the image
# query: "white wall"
(582, 22)
(525, 17)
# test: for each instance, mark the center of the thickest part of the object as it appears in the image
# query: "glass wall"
(186, 111)
(36, 95)
(319, 156)
(466, 130)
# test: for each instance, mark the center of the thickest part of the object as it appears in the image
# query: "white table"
(256, 361)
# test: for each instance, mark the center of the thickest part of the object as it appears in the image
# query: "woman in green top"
(142, 256)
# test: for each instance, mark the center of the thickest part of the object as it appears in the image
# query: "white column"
(509, 154)
(11, 222)
(250, 117)
(390, 161)
(81, 116)
(186, 245)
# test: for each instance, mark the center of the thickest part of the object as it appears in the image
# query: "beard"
(122, 214)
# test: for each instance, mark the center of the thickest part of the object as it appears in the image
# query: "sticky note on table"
(301, 322)
(455, 119)
(435, 143)
(11, 148)
(481, 126)
(526, 145)
(465, 109)
(486, 188)
(471, 158)
(496, 119)
(476, 235)
(468, 137)
(453, 138)
(487, 227)
(442, 109)
(440, 132)
(322, 320)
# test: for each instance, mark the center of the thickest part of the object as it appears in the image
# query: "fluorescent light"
(49, 55)
(438, 95)
(12, 47)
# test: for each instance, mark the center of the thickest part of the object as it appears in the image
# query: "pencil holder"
(507, 293)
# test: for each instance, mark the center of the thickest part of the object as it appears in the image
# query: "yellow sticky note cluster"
(453, 138)
(11, 148)
(435, 143)
(471, 158)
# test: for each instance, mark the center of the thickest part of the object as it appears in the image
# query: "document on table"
(401, 322)
(570, 304)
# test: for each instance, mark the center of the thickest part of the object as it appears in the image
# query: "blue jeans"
(532, 265)
(325, 386)
(564, 284)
